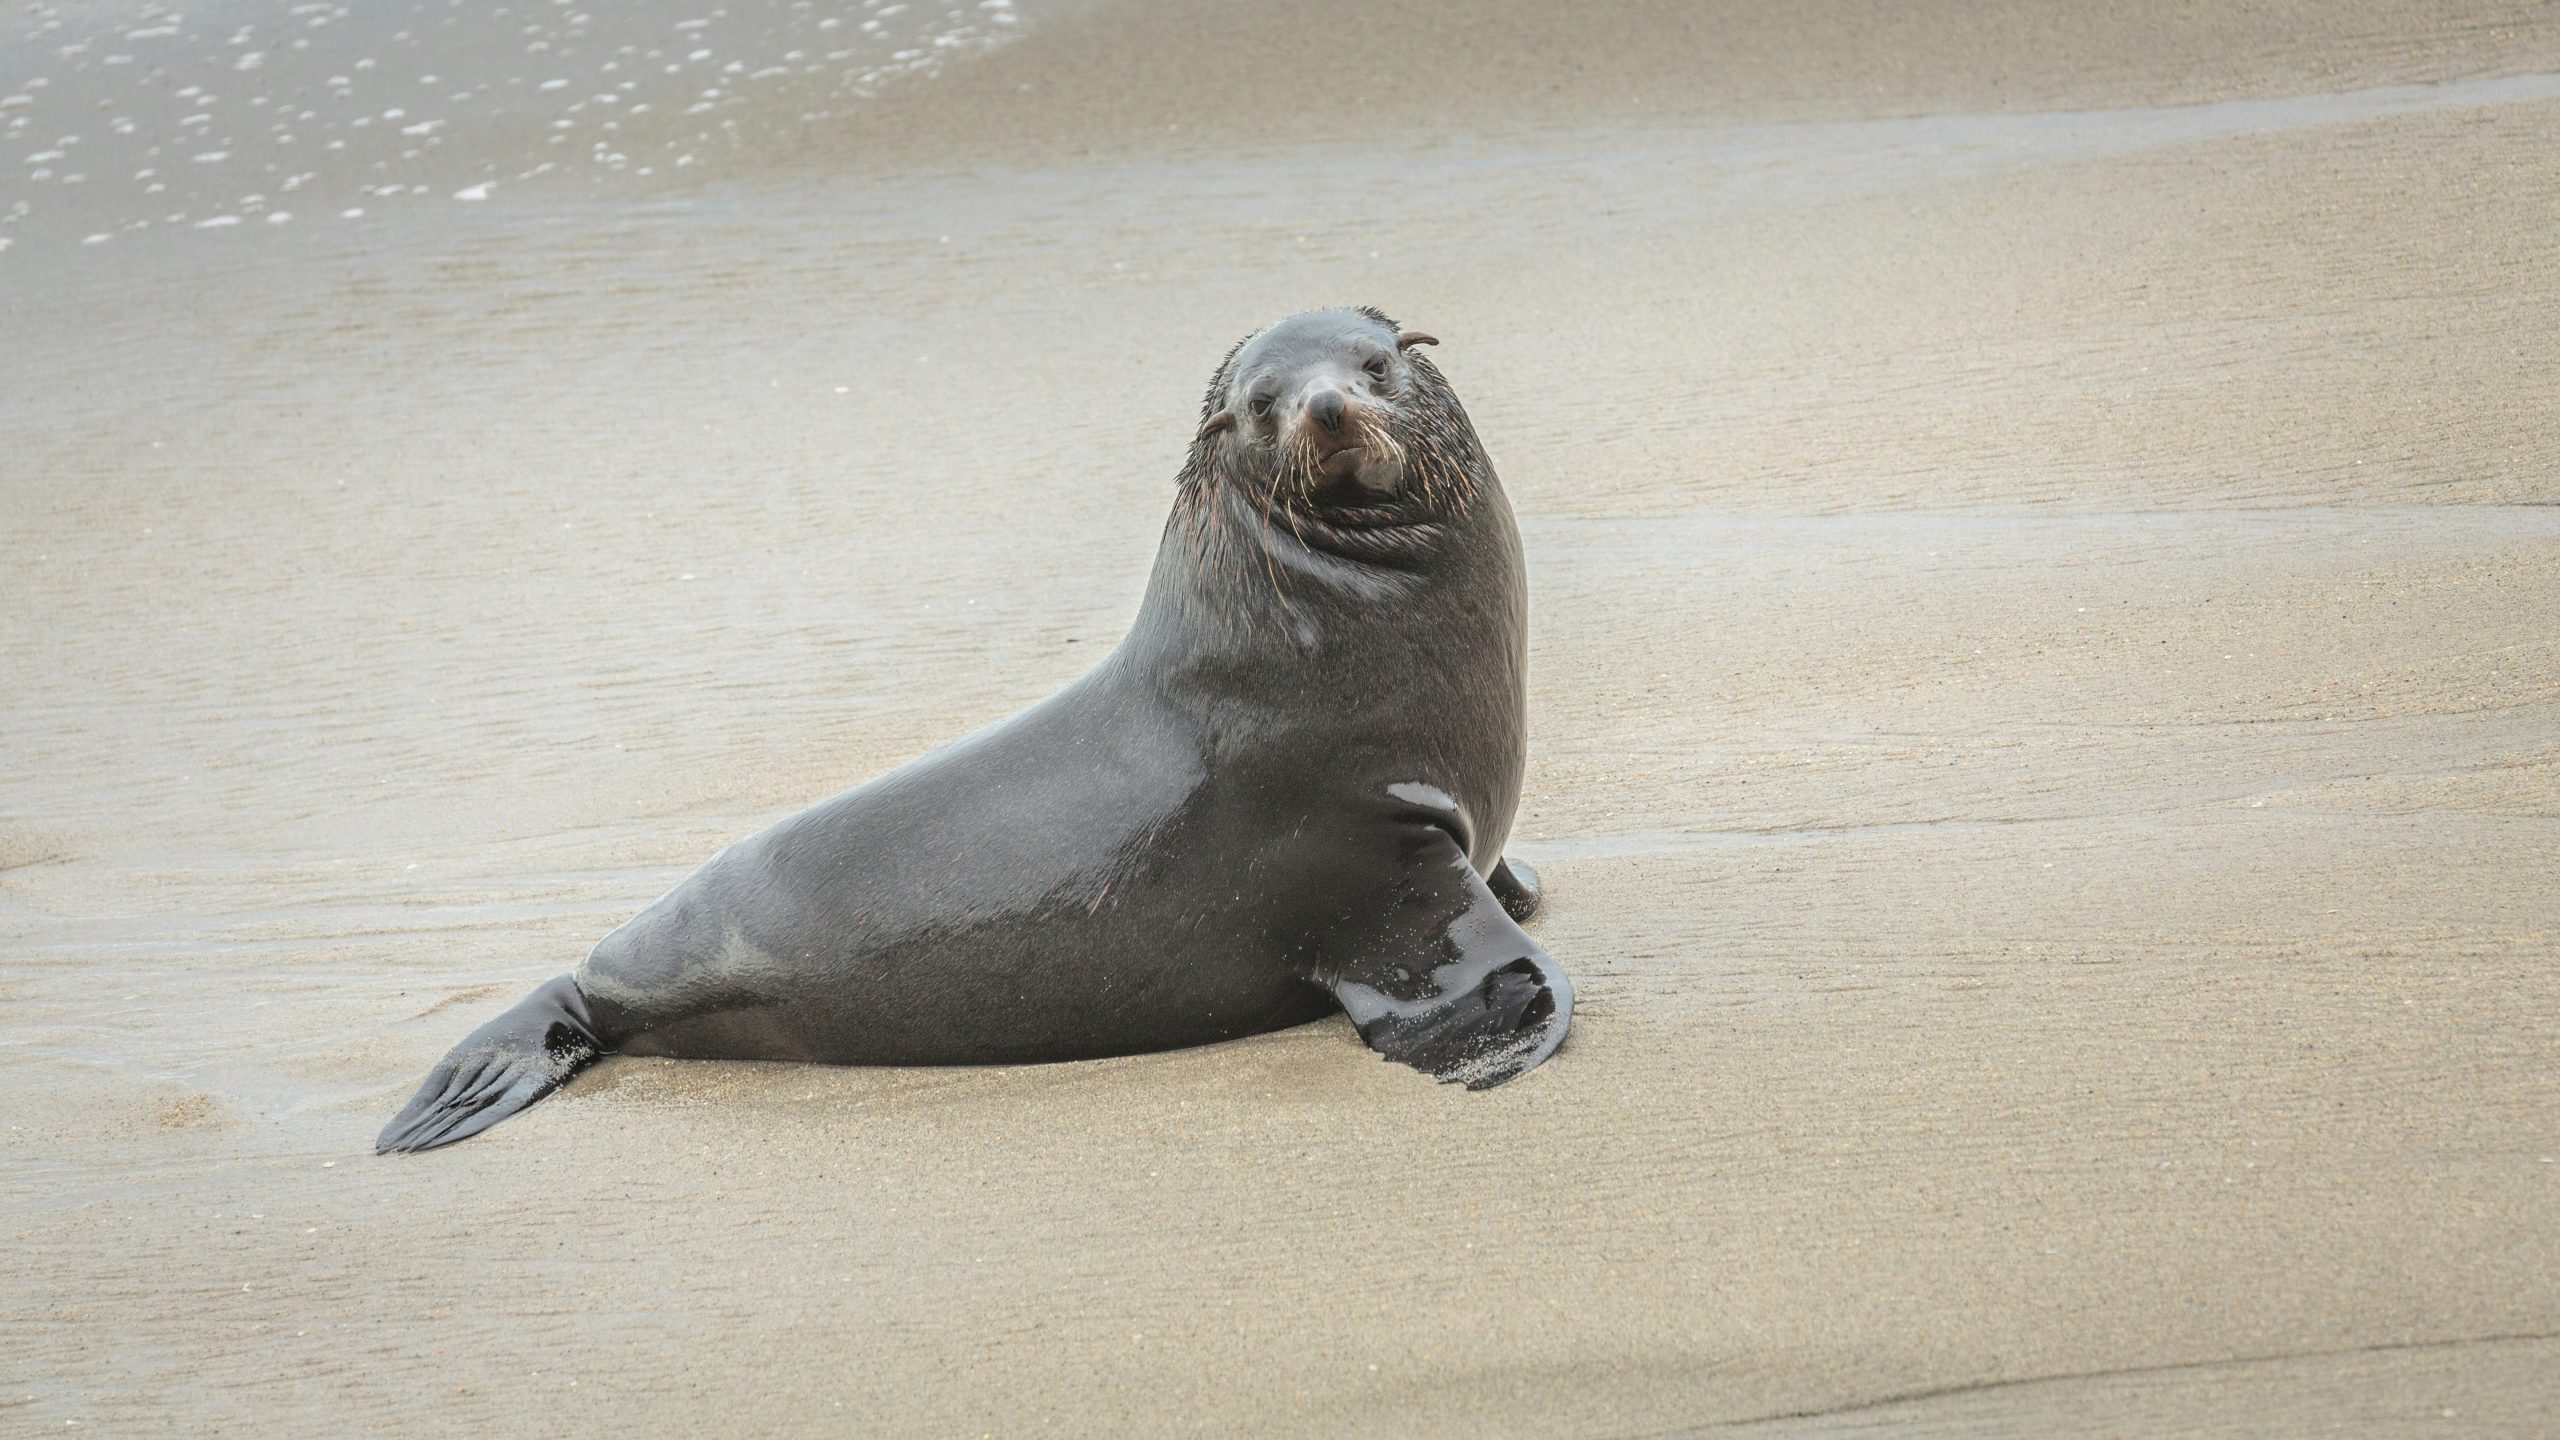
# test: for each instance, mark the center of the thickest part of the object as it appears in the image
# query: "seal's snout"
(1338, 436)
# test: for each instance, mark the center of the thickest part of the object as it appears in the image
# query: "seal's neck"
(1242, 594)
(1243, 569)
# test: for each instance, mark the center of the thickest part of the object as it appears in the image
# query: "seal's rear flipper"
(1516, 886)
(498, 1069)
(1451, 986)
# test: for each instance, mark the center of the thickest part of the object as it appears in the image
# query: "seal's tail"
(502, 1067)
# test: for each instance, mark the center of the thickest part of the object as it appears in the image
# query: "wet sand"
(2045, 731)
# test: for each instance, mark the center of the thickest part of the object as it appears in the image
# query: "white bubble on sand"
(100, 239)
(475, 192)
(210, 156)
(279, 217)
(217, 222)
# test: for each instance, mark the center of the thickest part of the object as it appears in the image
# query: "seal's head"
(1331, 421)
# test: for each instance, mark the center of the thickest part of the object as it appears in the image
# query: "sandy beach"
(2044, 544)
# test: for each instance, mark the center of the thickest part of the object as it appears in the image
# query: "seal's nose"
(1326, 409)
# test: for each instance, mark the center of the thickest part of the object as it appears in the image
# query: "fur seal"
(1285, 792)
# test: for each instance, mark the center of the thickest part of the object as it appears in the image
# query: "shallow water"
(121, 118)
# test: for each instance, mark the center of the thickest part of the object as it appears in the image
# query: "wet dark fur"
(1285, 791)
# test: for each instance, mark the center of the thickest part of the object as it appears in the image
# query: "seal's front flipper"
(498, 1069)
(1451, 986)
(1516, 886)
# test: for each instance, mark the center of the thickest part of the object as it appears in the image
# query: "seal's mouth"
(1344, 463)
(1342, 480)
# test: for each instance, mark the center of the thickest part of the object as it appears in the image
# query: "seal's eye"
(1260, 405)
(1377, 367)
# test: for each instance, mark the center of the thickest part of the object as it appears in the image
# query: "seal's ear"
(1407, 339)
(1223, 420)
